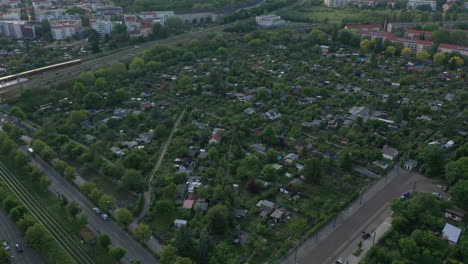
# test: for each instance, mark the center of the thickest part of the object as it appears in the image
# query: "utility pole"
(334, 221)
(373, 241)
(414, 186)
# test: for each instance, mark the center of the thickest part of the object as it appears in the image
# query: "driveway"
(331, 243)
(12, 235)
(60, 186)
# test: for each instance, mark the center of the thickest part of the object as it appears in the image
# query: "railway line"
(72, 247)
(95, 63)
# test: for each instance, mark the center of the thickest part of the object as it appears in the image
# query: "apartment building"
(18, 29)
(413, 4)
(103, 27)
(415, 45)
(417, 34)
(448, 48)
(64, 29)
(374, 27)
(336, 3)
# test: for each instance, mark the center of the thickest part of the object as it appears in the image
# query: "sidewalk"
(381, 230)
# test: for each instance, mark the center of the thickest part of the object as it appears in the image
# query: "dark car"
(365, 235)
(19, 248)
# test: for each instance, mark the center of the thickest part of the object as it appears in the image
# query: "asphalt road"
(332, 243)
(12, 235)
(119, 237)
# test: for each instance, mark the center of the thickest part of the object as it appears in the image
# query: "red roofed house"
(447, 48)
(374, 27)
(188, 204)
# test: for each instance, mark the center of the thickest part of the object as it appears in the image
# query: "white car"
(105, 217)
(6, 246)
(339, 261)
(97, 210)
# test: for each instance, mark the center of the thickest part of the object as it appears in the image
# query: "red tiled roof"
(453, 47)
(363, 26)
(414, 31)
(188, 204)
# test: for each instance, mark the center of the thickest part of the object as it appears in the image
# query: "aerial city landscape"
(233, 131)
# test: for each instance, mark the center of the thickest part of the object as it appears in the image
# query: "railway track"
(72, 247)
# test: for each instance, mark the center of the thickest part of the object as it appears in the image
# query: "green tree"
(117, 253)
(133, 180)
(218, 219)
(297, 226)
(5, 257)
(124, 217)
(168, 255)
(70, 173)
(18, 112)
(313, 170)
(142, 232)
(174, 24)
(104, 240)
(269, 173)
(390, 50)
(73, 208)
(406, 52)
(456, 60)
(433, 159)
(106, 202)
(423, 55)
(439, 57)
(365, 44)
(456, 170)
(182, 260)
(459, 193)
(37, 237)
(93, 100)
(346, 161)
(161, 131)
(165, 209)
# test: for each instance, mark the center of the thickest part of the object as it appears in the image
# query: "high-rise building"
(102, 27)
(18, 29)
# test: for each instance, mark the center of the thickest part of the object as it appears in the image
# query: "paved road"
(12, 235)
(118, 236)
(332, 243)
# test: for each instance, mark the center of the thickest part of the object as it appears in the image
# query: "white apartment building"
(271, 20)
(413, 4)
(64, 29)
(336, 3)
(448, 48)
(103, 27)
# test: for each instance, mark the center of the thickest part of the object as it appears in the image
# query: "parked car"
(105, 217)
(19, 248)
(445, 188)
(339, 261)
(97, 210)
(365, 235)
(438, 195)
(6, 246)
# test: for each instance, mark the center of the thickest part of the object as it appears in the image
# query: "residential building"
(336, 3)
(18, 29)
(361, 111)
(417, 34)
(64, 29)
(273, 114)
(454, 214)
(449, 48)
(373, 27)
(108, 12)
(271, 20)
(266, 205)
(180, 222)
(11, 14)
(102, 27)
(451, 233)
(389, 153)
(415, 45)
(155, 17)
(413, 4)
